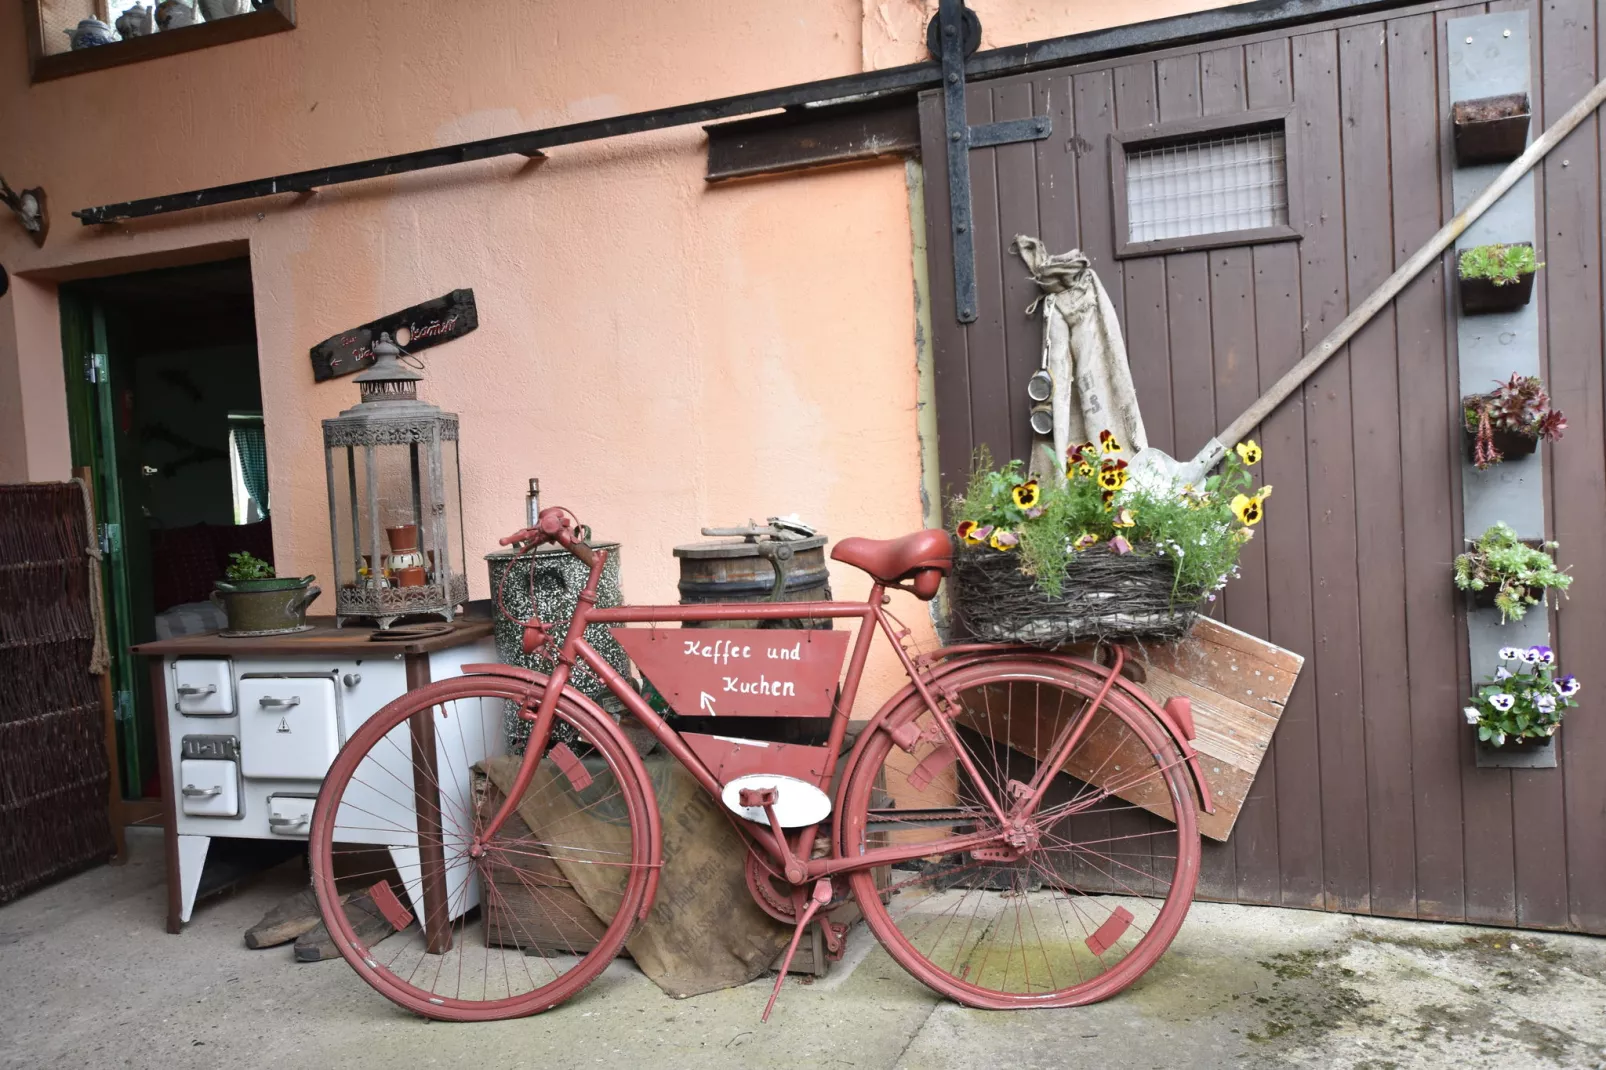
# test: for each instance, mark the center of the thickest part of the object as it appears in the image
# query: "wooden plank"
(1572, 282)
(1177, 79)
(1331, 472)
(1094, 96)
(992, 402)
(1136, 108)
(423, 326)
(1428, 401)
(1148, 346)
(1234, 362)
(1193, 387)
(1488, 850)
(1379, 522)
(1221, 75)
(1016, 167)
(950, 356)
(816, 137)
(323, 638)
(1057, 154)
(1286, 536)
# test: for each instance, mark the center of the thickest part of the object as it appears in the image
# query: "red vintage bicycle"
(997, 820)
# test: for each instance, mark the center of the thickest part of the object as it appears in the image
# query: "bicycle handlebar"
(555, 524)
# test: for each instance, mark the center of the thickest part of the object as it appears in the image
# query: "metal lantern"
(395, 499)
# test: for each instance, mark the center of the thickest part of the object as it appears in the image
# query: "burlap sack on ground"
(704, 931)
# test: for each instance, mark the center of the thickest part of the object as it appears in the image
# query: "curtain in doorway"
(252, 446)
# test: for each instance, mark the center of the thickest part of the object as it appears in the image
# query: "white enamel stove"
(250, 737)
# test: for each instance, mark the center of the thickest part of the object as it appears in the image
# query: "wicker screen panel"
(53, 775)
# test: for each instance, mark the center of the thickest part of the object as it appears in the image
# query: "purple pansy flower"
(1502, 701)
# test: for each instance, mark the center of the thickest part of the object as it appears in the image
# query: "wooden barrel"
(745, 570)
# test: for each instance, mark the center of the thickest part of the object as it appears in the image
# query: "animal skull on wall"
(30, 209)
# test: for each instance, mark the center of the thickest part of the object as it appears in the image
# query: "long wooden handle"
(1295, 376)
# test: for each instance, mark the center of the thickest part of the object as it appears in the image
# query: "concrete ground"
(88, 979)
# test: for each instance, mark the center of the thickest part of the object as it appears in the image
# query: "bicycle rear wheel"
(1096, 888)
(518, 926)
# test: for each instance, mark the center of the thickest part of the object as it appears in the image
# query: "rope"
(100, 660)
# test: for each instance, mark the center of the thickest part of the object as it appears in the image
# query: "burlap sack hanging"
(1084, 354)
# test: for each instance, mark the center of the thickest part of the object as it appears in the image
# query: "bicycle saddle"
(924, 557)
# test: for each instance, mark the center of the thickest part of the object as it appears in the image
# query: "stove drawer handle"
(193, 792)
(275, 821)
(191, 691)
(279, 703)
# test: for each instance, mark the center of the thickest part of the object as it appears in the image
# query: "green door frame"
(92, 425)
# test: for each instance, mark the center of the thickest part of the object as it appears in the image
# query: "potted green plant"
(1505, 573)
(1050, 562)
(1509, 422)
(1490, 129)
(1523, 703)
(259, 603)
(1496, 278)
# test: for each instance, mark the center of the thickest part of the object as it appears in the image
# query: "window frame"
(276, 17)
(1163, 134)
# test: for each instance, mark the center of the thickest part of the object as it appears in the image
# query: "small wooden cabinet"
(247, 728)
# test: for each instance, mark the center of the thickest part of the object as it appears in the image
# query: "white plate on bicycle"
(798, 803)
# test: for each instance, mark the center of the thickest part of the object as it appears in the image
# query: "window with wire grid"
(1228, 183)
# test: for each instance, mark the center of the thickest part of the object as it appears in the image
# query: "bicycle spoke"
(1068, 903)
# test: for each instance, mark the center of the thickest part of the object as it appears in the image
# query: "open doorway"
(165, 400)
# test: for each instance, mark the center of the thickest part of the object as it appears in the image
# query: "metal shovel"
(1154, 470)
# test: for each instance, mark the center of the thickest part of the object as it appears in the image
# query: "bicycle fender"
(655, 834)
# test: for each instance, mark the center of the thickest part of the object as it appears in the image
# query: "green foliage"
(1527, 703)
(244, 566)
(1502, 265)
(1200, 529)
(1521, 574)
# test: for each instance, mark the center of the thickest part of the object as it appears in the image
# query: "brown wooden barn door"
(1370, 800)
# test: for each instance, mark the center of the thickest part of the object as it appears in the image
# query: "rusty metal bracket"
(952, 36)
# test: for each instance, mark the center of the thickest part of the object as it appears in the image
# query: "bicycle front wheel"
(518, 923)
(1093, 887)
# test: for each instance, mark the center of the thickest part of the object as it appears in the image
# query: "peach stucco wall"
(663, 354)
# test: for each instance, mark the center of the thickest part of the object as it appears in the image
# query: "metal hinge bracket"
(123, 705)
(951, 36)
(111, 539)
(94, 367)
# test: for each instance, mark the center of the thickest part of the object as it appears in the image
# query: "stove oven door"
(289, 726)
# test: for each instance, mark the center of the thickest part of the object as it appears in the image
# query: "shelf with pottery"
(94, 41)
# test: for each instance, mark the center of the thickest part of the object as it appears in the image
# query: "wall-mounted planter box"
(1484, 599)
(1482, 296)
(1516, 754)
(1490, 129)
(1513, 445)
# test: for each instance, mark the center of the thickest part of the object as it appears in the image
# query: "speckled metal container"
(551, 580)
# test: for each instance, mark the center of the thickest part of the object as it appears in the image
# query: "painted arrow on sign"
(705, 701)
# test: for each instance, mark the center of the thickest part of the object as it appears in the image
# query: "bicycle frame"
(796, 861)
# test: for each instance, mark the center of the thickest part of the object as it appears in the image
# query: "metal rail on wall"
(952, 37)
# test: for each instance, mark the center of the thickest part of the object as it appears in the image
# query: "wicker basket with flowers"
(1097, 557)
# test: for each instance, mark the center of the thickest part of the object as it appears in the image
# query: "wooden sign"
(414, 329)
(740, 672)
